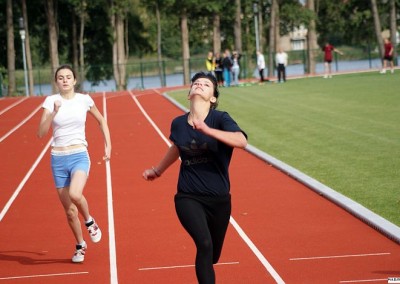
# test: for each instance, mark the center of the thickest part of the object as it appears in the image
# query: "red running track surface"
(281, 232)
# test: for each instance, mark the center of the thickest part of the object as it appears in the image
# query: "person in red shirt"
(328, 49)
(388, 56)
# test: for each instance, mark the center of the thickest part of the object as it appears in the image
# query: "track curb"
(372, 219)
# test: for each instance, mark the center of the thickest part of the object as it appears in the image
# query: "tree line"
(99, 37)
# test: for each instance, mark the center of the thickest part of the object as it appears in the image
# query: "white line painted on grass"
(242, 234)
(110, 209)
(24, 180)
(182, 266)
(44, 275)
(341, 256)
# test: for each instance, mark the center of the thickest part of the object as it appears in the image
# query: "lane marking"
(257, 252)
(110, 209)
(20, 124)
(44, 275)
(13, 105)
(363, 281)
(241, 233)
(182, 266)
(24, 180)
(341, 256)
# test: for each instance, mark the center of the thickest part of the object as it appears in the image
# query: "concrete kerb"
(377, 222)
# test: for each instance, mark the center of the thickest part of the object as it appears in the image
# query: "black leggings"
(206, 219)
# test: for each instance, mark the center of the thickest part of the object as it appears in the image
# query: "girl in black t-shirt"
(204, 139)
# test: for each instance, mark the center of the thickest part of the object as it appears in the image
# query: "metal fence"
(146, 74)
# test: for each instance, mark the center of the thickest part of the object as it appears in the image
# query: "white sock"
(89, 220)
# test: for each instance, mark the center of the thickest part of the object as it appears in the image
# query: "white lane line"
(241, 233)
(341, 256)
(257, 252)
(182, 266)
(20, 124)
(24, 180)
(44, 275)
(13, 105)
(364, 281)
(110, 209)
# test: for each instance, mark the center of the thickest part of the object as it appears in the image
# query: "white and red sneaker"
(79, 255)
(94, 231)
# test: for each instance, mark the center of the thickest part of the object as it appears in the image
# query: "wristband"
(156, 171)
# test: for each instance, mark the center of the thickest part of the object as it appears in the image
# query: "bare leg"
(74, 202)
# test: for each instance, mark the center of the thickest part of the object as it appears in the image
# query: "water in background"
(177, 79)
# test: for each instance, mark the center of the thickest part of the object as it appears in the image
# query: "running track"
(281, 231)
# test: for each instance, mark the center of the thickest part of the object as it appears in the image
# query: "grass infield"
(343, 132)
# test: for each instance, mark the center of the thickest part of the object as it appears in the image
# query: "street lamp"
(255, 11)
(22, 33)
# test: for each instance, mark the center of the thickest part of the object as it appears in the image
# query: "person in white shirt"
(281, 60)
(70, 163)
(260, 65)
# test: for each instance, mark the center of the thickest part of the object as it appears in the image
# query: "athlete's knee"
(76, 197)
(71, 213)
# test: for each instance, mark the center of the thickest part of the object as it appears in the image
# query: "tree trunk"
(277, 29)
(272, 37)
(159, 51)
(261, 28)
(393, 29)
(216, 33)
(185, 47)
(377, 25)
(10, 50)
(121, 59)
(53, 39)
(238, 27)
(114, 48)
(75, 53)
(28, 49)
(81, 43)
(311, 41)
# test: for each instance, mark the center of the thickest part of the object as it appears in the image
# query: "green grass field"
(344, 131)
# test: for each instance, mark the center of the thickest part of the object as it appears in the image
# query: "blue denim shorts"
(65, 163)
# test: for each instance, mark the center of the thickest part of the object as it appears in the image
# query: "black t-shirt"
(205, 160)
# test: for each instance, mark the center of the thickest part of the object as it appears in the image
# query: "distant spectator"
(281, 60)
(388, 56)
(227, 66)
(236, 67)
(210, 62)
(260, 65)
(328, 49)
(219, 69)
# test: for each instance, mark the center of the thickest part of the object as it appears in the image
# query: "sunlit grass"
(344, 132)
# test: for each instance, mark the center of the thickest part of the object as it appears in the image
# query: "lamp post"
(255, 11)
(22, 34)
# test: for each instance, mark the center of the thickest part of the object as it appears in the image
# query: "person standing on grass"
(281, 60)
(204, 139)
(227, 64)
(236, 67)
(210, 62)
(70, 163)
(219, 69)
(260, 65)
(328, 57)
(388, 56)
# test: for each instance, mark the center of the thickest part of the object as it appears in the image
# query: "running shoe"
(79, 255)
(94, 231)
